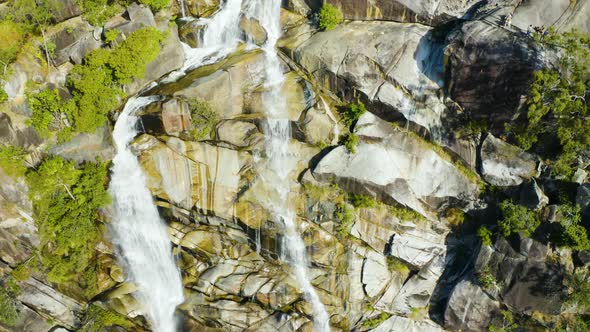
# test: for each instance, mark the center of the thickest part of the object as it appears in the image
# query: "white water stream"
(138, 229)
(278, 134)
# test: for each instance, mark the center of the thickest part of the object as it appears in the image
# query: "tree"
(129, 60)
(329, 17)
(557, 102)
(517, 219)
(46, 109)
(12, 160)
(11, 39)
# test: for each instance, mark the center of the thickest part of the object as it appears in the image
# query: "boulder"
(397, 71)
(398, 168)
(561, 14)
(297, 6)
(430, 12)
(253, 30)
(319, 126)
(202, 8)
(75, 40)
(189, 32)
(530, 279)
(532, 196)
(506, 165)
(66, 9)
(375, 275)
(398, 323)
(478, 56)
(469, 308)
(87, 147)
(139, 16)
(236, 132)
(417, 248)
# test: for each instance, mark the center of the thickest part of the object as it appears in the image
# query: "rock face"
(469, 308)
(478, 55)
(87, 147)
(430, 12)
(396, 169)
(75, 41)
(504, 164)
(562, 14)
(398, 70)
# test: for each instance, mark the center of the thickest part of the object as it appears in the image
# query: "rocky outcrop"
(202, 8)
(469, 308)
(397, 323)
(75, 40)
(430, 12)
(561, 14)
(503, 164)
(396, 168)
(479, 57)
(397, 72)
(87, 147)
(525, 277)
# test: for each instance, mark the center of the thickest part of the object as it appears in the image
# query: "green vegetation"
(12, 38)
(455, 217)
(486, 278)
(204, 119)
(97, 12)
(517, 219)
(362, 201)
(9, 290)
(372, 323)
(12, 160)
(155, 5)
(331, 193)
(350, 141)
(97, 319)
(396, 265)
(571, 233)
(507, 323)
(65, 202)
(3, 95)
(403, 213)
(110, 36)
(330, 17)
(346, 214)
(351, 113)
(46, 110)
(556, 102)
(485, 235)
(579, 294)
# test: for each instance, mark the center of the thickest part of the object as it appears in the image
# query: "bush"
(11, 39)
(350, 141)
(362, 201)
(129, 60)
(8, 312)
(517, 219)
(97, 319)
(506, 325)
(97, 12)
(111, 35)
(346, 215)
(155, 5)
(12, 160)
(485, 235)
(372, 323)
(65, 202)
(46, 108)
(352, 113)
(330, 17)
(204, 119)
(3, 95)
(571, 233)
(405, 213)
(486, 278)
(396, 265)
(455, 217)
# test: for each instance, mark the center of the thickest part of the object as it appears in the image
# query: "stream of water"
(278, 134)
(138, 230)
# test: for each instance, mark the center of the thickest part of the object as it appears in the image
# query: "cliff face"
(407, 258)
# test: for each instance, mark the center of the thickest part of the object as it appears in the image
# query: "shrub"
(350, 141)
(330, 17)
(155, 5)
(11, 40)
(204, 119)
(486, 278)
(372, 323)
(65, 200)
(455, 217)
(485, 235)
(3, 95)
(129, 60)
(362, 201)
(46, 107)
(8, 312)
(571, 233)
(97, 319)
(517, 219)
(396, 265)
(97, 12)
(111, 35)
(351, 113)
(12, 160)
(507, 323)
(346, 215)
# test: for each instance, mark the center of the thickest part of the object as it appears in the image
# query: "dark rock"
(583, 198)
(75, 41)
(139, 17)
(532, 196)
(489, 69)
(67, 10)
(469, 308)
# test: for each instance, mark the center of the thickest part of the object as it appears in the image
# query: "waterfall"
(138, 230)
(278, 133)
(182, 10)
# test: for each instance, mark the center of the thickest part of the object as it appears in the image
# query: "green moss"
(352, 112)
(373, 322)
(3, 95)
(98, 318)
(12, 38)
(485, 235)
(329, 17)
(8, 309)
(110, 36)
(362, 201)
(396, 265)
(346, 214)
(204, 119)
(65, 202)
(155, 4)
(21, 273)
(97, 12)
(455, 217)
(404, 213)
(12, 160)
(350, 141)
(325, 193)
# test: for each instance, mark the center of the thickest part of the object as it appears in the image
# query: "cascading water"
(278, 133)
(138, 229)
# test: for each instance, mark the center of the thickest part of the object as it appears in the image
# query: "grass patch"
(394, 264)
(329, 17)
(204, 119)
(98, 318)
(346, 214)
(373, 322)
(12, 160)
(362, 201)
(350, 141)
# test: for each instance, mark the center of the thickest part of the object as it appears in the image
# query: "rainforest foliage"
(65, 203)
(557, 102)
